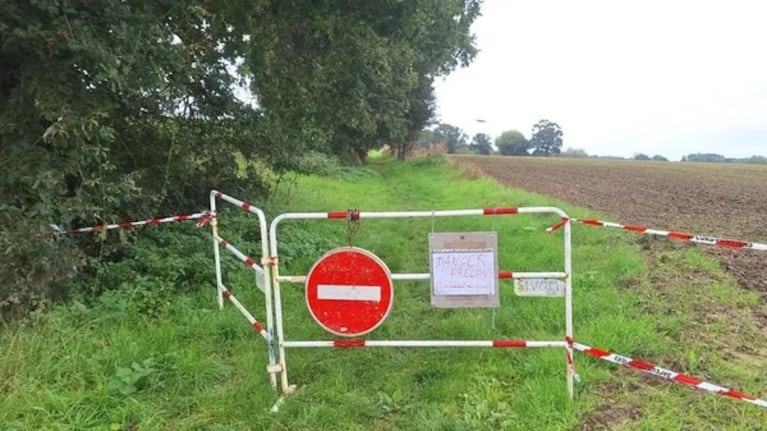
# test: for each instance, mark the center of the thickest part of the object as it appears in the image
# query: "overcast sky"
(657, 77)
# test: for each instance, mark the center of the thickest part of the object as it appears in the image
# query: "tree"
(546, 139)
(640, 156)
(705, 157)
(452, 136)
(577, 153)
(346, 77)
(112, 110)
(659, 158)
(481, 144)
(512, 143)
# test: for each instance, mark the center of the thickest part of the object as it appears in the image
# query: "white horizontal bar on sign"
(421, 343)
(342, 292)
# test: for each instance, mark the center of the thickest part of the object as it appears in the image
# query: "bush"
(314, 162)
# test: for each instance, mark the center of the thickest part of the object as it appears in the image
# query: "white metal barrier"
(565, 275)
(269, 284)
(263, 282)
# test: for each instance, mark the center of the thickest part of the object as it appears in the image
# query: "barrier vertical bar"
(216, 251)
(569, 308)
(278, 304)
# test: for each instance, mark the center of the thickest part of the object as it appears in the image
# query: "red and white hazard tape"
(203, 218)
(698, 239)
(663, 373)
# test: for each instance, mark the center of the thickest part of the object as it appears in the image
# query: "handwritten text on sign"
(464, 272)
(539, 287)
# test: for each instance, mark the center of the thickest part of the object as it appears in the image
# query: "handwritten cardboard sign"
(464, 269)
(539, 287)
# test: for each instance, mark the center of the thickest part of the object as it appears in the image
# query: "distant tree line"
(718, 158)
(546, 140)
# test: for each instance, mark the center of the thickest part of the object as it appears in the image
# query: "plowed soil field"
(722, 200)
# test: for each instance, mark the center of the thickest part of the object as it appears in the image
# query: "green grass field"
(156, 354)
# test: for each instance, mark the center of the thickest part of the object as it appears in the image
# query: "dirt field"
(722, 200)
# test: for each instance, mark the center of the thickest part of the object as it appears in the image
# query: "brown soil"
(721, 200)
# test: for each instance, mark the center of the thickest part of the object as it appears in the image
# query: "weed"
(128, 380)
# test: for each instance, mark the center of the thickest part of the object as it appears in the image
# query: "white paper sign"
(463, 272)
(539, 287)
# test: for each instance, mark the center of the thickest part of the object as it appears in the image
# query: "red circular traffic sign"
(349, 291)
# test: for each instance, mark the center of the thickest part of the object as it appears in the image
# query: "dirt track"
(723, 200)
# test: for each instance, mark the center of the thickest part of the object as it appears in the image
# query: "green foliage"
(114, 110)
(575, 153)
(546, 139)
(314, 162)
(453, 137)
(349, 77)
(481, 144)
(512, 143)
(704, 157)
(201, 368)
(718, 158)
(128, 380)
(640, 156)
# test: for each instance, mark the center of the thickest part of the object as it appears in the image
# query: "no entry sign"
(349, 291)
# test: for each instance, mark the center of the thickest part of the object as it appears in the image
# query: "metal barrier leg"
(216, 252)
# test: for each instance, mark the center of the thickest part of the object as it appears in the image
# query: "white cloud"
(665, 77)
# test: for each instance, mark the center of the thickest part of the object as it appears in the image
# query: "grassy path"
(156, 354)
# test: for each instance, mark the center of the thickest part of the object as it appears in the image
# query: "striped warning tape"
(698, 239)
(202, 217)
(663, 373)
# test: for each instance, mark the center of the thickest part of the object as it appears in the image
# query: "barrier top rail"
(697, 239)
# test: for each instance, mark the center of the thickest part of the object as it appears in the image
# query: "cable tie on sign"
(353, 224)
(205, 219)
(557, 226)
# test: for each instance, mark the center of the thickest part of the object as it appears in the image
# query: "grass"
(159, 355)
